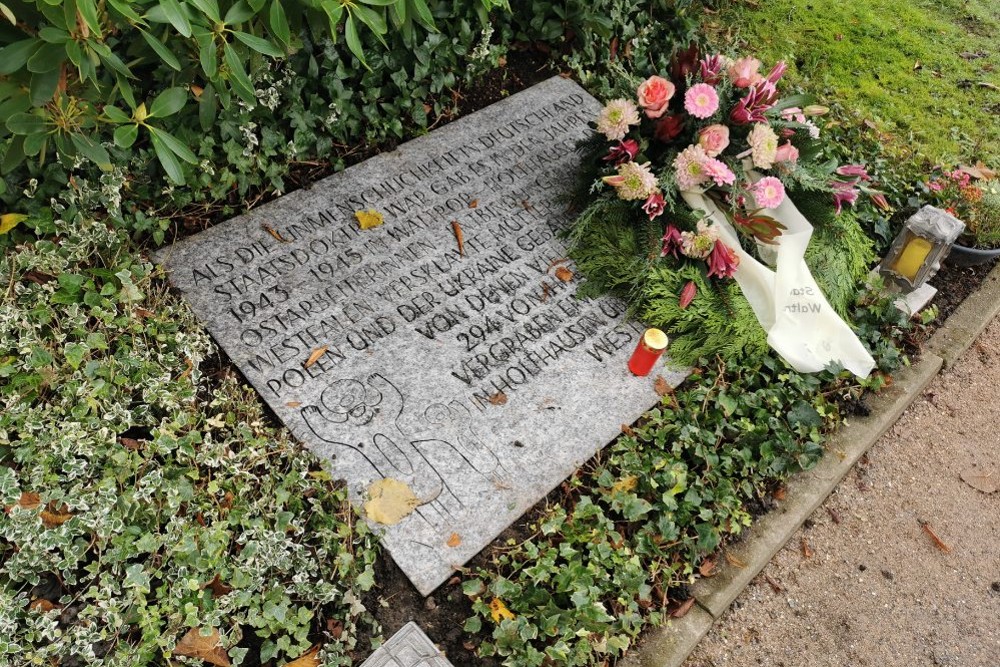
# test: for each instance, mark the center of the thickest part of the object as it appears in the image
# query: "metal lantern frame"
(931, 225)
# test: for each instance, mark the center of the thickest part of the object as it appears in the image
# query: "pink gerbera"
(701, 100)
(719, 172)
(768, 192)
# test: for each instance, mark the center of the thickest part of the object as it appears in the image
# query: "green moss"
(914, 68)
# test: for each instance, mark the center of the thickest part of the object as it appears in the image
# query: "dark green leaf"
(209, 8)
(125, 9)
(25, 123)
(238, 78)
(238, 13)
(167, 159)
(259, 45)
(208, 107)
(110, 59)
(279, 23)
(125, 135)
(14, 155)
(88, 10)
(423, 13)
(43, 87)
(353, 42)
(372, 19)
(116, 115)
(47, 58)
(175, 14)
(175, 145)
(208, 56)
(54, 35)
(165, 54)
(93, 151)
(169, 102)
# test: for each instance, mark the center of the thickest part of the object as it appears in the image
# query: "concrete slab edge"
(670, 645)
(968, 321)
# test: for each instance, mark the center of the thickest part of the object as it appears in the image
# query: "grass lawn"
(924, 72)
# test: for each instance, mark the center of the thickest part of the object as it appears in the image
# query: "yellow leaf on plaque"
(390, 501)
(499, 611)
(369, 219)
(9, 221)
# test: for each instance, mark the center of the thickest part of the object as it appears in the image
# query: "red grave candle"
(650, 348)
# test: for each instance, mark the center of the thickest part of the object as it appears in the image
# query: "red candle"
(650, 348)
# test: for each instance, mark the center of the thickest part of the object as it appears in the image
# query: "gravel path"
(863, 583)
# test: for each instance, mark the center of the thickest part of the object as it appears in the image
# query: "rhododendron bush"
(719, 128)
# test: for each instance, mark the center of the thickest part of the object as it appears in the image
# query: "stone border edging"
(669, 646)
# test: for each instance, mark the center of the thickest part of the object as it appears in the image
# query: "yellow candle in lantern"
(912, 257)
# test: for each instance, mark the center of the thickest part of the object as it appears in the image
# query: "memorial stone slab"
(468, 370)
(409, 647)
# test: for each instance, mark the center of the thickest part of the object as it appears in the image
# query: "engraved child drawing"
(361, 420)
(453, 422)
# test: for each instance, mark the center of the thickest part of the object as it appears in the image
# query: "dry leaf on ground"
(938, 542)
(454, 540)
(628, 430)
(308, 659)
(218, 587)
(807, 551)
(499, 611)
(775, 586)
(661, 386)
(274, 232)
(390, 501)
(708, 567)
(474, 203)
(316, 354)
(625, 484)
(498, 398)
(53, 517)
(43, 605)
(459, 237)
(369, 219)
(207, 648)
(293, 404)
(981, 481)
(564, 274)
(682, 611)
(29, 500)
(733, 560)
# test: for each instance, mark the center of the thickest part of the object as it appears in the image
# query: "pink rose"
(745, 72)
(654, 95)
(787, 153)
(714, 139)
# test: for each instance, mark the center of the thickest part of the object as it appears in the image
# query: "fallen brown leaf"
(564, 274)
(775, 586)
(661, 386)
(29, 500)
(527, 205)
(188, 367)
(474, 203)
(807, 551)
(143, 313)
(708, 567)
(207, 648)
(390, 501)
(43, 605)
(780, 493)
(130, 443)
(833, 515)
(498, 398)
(38, 277)
(454, 540)
(546, 292)
(293, 404)
(459, 237)
(308, 659)
(682, 611)
(335, 627)
(556, 262)
(981, 481)
(316, 354)
(627, 430)
(218, 587)
(987, 84)
(54, 516)
(938, 542)
(733, 560)
(274, 232)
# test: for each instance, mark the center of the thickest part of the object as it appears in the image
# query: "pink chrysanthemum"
(763, 145)
(633, 181)
(699, 245)
(768, 192)
(701, 100)
(719, 172)
(689, 166)
(615, 119)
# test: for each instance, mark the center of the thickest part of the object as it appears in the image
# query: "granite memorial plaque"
(409, 647)
(444, 348)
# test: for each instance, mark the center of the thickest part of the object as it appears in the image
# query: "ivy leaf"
(804, 414)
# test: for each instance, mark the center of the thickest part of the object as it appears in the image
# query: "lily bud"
(815, 110)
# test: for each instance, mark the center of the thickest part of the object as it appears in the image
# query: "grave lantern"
(921, 246)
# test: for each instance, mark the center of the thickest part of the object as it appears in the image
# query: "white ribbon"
(801, 325)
